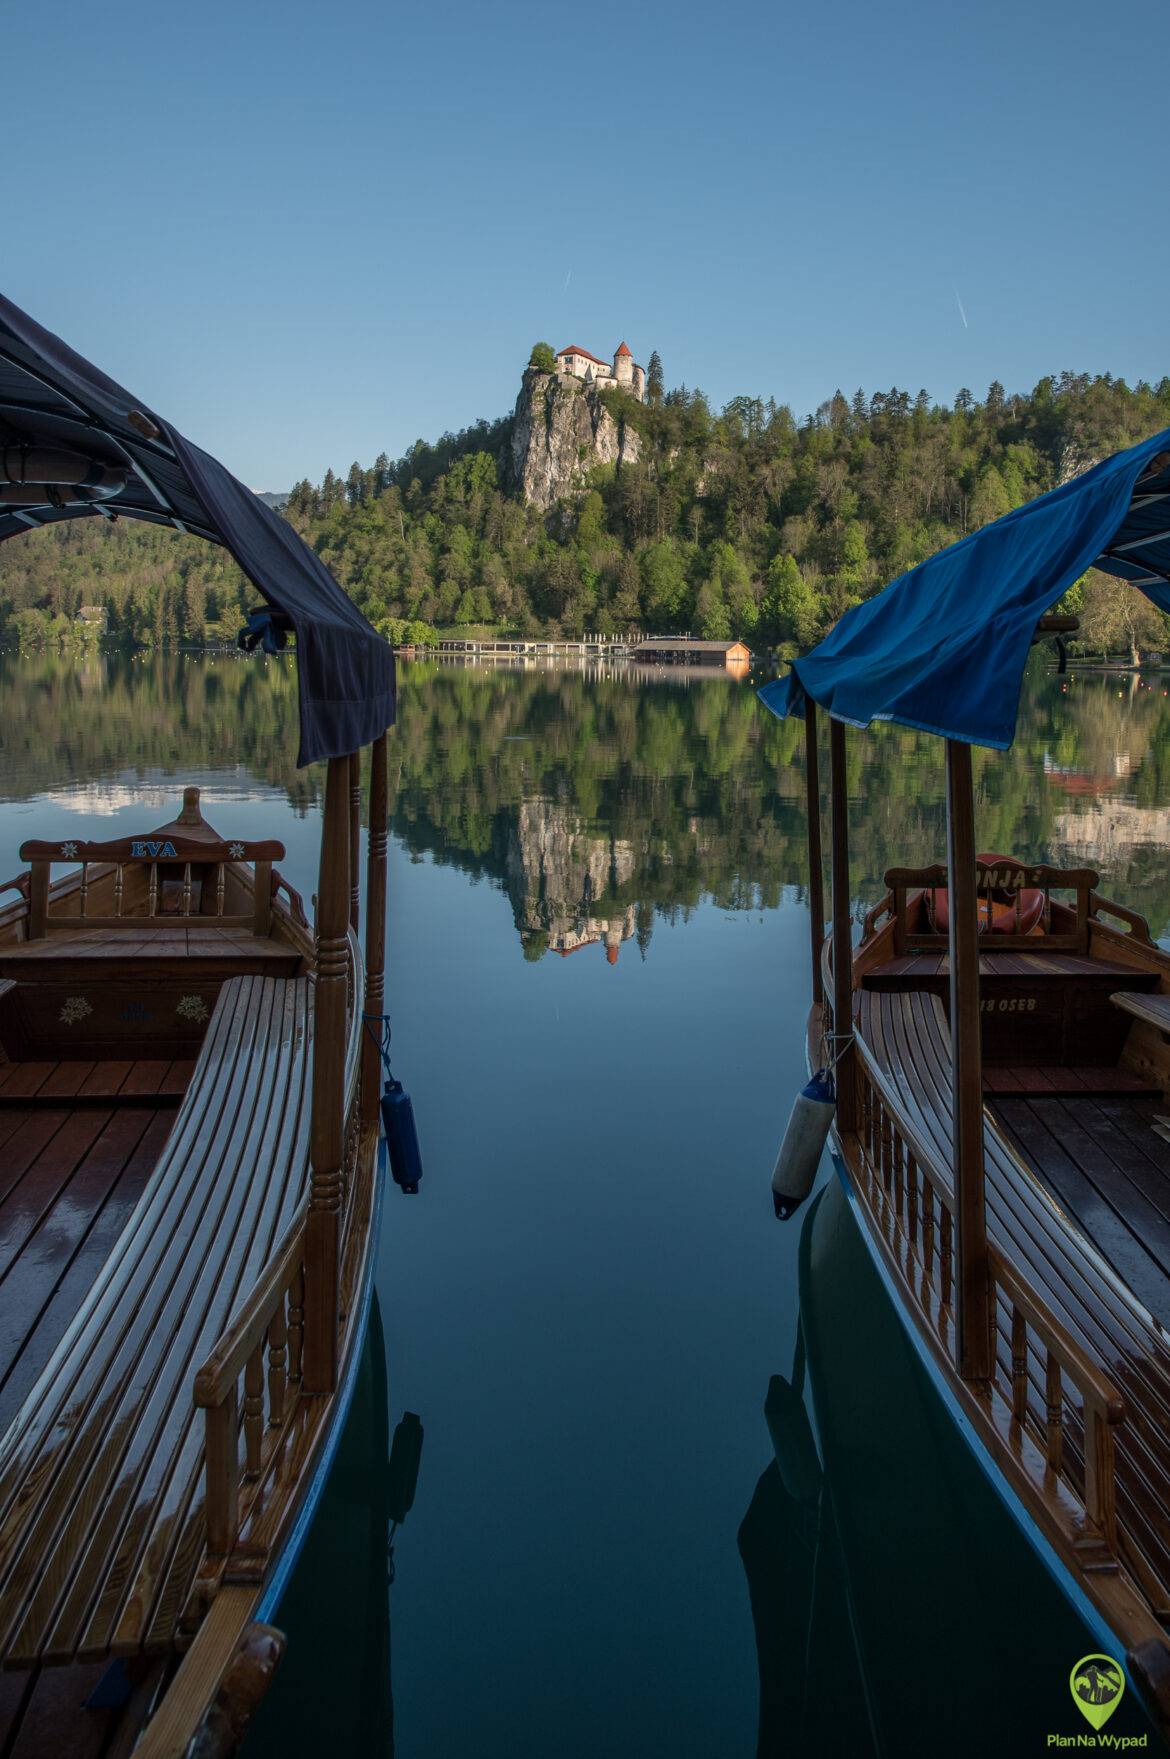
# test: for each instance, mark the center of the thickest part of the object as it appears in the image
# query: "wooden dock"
(593, 646)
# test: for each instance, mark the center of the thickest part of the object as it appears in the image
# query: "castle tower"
(623, 367)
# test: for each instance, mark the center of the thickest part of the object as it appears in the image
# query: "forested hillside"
(741, 522)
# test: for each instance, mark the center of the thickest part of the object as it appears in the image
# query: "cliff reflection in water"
(564, 882)
(598, 803)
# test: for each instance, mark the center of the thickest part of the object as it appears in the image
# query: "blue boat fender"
(803, 1144)
(398, 1124)
(401, 1136)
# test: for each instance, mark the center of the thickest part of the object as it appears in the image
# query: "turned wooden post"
(973, 1285)
(355, 836)
(322, 1228)
(816, 876)
(842, 933)
(375, 928)
(38, 900)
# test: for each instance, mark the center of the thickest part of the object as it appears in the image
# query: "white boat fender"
(803, 1144)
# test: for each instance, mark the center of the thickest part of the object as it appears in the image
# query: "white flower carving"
(73, 1009)
(69, 850)
(236, 851)
(191, 1008)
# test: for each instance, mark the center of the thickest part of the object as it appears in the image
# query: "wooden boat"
(189, 1184)
(877, 1582)
(1002, 1122)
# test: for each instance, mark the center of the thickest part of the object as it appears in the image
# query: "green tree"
(542, 359)
(664, 587)
(654, 387)
(792, 610)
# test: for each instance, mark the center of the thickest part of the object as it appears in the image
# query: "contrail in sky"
(568, 278)
(962, 313)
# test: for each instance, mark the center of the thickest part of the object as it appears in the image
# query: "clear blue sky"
(308, 234)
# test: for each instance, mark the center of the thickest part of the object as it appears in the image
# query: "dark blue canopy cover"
(51, 398)
(943, 647)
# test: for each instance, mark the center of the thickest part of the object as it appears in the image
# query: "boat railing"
(885, 908)
(183, 877)
(1137, 926)
(296, 904)
(272, 1320)
(1054, 1408)
(251, 1385)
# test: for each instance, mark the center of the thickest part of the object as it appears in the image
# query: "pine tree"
(654, 380)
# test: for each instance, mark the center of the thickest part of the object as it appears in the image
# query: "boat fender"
(796, 1453)
(401, 1136)
(803, 1144)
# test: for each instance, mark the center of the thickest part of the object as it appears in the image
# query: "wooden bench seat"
(1037, 1008)
(101, 1483)
(932, 969)
(909, 1036)
(160, 947)
(1152, 1010)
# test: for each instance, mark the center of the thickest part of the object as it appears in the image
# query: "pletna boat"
(877, 1551)
(189, 1172)
(1000, 1047)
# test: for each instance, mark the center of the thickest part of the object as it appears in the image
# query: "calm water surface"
(598, 981)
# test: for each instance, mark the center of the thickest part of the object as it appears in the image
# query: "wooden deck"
(1108, 1167)
(78, 1142)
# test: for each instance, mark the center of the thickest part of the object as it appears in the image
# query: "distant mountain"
(273, 498)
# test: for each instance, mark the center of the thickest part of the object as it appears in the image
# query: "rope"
(382, 1038)
(827, 1038)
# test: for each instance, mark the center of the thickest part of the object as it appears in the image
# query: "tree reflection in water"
(598, 802)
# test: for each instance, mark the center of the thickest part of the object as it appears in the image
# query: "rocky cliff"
(560, 430)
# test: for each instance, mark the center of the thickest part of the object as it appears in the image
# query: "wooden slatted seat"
(909, 1036)
(1152, 1010)
(101, 1482)
(166, 947)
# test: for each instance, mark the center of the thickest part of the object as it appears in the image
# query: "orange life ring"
(999, 913)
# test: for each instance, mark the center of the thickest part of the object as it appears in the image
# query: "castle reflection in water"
(563, 880)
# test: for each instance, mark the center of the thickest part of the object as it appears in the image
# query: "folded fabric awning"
(52, 399)
(943, 648)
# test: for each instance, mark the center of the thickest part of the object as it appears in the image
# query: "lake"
(598, 979)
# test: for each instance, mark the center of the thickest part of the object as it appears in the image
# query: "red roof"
(585, 354)
(611, 954)
(622, 350)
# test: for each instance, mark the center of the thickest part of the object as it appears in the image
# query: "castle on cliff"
(624, 372)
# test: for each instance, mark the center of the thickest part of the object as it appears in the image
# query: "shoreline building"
(624, 372)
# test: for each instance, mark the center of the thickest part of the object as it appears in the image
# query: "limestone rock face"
(560, 430)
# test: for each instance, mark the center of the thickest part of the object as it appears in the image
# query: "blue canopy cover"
(51, 398)
(943, 647)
